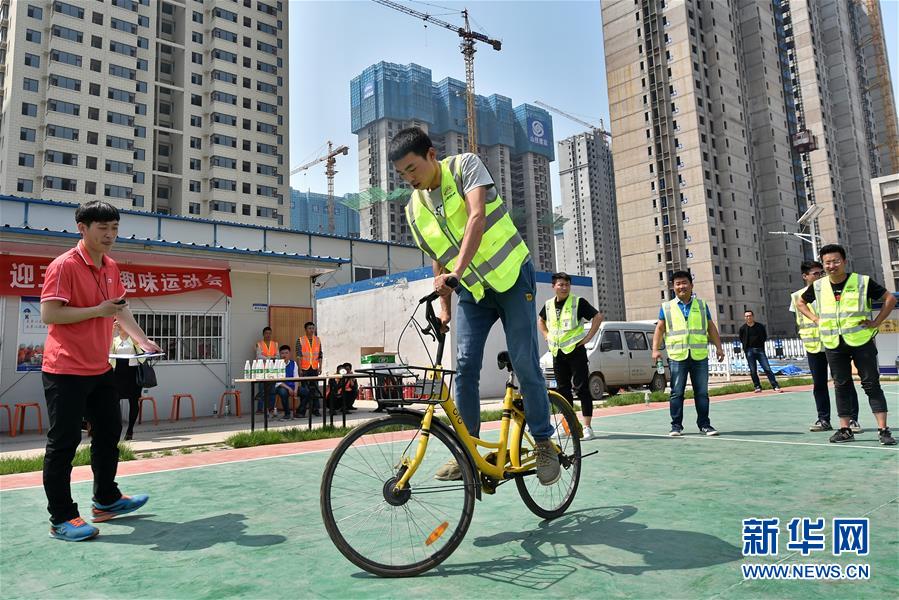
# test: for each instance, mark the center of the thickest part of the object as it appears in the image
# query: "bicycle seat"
(503, 361)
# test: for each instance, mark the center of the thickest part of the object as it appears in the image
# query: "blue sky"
(552, 51)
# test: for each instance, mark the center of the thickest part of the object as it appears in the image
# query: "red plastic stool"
(234, 394)
(140, 409)
(12, 430)
(176, 407)
(20, 415)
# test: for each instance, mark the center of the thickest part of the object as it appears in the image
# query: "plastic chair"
(12, 430)
(140, 409)
(176, 407)
(234, 394)
(20, 415)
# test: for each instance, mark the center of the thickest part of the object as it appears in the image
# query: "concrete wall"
(374, 312)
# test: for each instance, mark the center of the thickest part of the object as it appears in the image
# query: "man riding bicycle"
(458, 219)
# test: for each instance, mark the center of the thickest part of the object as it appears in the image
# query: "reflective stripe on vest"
(309, 352)
(808, 330)
(438, 232)
(843, 318)
(686, 337)
(271, 351)
(565, 329)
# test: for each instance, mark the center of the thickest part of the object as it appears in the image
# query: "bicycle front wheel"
(551, 501)
(396, 534)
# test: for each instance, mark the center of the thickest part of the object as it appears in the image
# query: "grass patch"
(246, 439)
(28, 464)
(187, 450)
(724, 390)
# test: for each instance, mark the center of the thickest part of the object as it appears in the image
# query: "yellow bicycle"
(380, 501)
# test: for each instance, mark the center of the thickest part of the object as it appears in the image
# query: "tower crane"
(591, 126)
(330, 159)
(467, 46)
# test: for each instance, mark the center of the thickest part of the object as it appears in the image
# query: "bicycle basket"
(405, 384)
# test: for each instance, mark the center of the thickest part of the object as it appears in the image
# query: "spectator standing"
(843, 302)
(288, 391)
(753, 336)
(309, 351)
(81, 296)
(125, 370)
(686, 324)
(560, 323)
(812, 271)
(266, 349)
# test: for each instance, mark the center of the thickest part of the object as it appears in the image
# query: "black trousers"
(574, 368)
(817, 364)
(126, 376)
(840, 360)
(70, 398)
(310, 400)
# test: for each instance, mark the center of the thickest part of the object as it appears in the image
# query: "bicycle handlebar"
(435, 326)
(451, 282)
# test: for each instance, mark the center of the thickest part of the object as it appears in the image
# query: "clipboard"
(142, 355)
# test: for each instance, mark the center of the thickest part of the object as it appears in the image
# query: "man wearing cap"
(560, 323)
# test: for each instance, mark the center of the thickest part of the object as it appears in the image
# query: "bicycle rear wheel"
(388, 534)
(551, 501)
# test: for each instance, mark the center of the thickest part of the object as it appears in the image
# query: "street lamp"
(808, 218)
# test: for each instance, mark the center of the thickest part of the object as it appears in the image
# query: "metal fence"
(780, 352)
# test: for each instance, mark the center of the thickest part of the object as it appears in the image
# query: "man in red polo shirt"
(81, 297)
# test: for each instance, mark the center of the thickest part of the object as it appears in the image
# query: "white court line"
(734, 439)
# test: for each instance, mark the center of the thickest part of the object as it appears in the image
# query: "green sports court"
(654, 517)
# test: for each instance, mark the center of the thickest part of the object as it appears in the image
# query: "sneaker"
(122, 506)
(675, 432)
(855, 427)
(886, 437)
(843, 434)
(588, 434)
(708, 430)
(820, 425)
(74, 530)
(758, 391)
(548, 469)
(286, 418)
(779, 390)
(449, 472)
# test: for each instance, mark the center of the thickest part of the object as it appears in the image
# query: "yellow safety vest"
(686, 337)
(844, 317)
(565, 330)
(808, 330)
(438, 232)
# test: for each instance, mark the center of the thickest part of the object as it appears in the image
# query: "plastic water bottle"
(215, 408)
(646, 396)
(660, 367)
(258, 370)
(248, 370)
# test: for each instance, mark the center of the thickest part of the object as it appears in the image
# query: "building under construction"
(731, 119)
(516, 144)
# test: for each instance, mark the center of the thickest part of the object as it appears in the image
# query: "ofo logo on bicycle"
(806, 536)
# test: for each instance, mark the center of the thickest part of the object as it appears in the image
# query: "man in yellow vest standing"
(687, 326)
(560, 323)
(458, 218)
(843, 306)
(812, 271)
(266, 349)
(309, 353)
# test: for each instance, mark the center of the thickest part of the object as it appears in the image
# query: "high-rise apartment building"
(730, 119)
(516, 144)
(309, 212)
(174, 106)
(590, 228)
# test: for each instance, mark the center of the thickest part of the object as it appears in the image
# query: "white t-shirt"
(474, 175)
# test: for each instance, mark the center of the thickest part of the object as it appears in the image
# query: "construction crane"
(467, 46)
(882, 81)
(330, 159)
(590, 126)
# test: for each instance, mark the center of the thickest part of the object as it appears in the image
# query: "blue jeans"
(699, 377)
(518, 312)
(754, 355)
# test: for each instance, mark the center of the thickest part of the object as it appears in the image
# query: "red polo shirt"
(80, 348)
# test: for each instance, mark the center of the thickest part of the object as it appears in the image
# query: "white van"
(620, 356)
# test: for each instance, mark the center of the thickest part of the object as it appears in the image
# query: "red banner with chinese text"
(24, 276)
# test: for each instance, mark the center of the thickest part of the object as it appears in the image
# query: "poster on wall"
(32, 335)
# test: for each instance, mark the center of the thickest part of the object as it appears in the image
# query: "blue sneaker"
(122, 506)
(75, 530)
